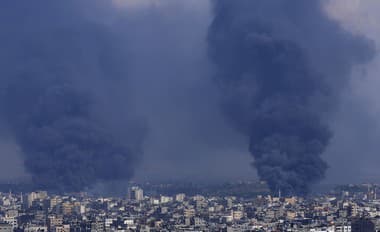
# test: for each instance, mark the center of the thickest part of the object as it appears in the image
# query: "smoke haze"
(281, 66)
(60, 98)
(99, 91)
(357, 121)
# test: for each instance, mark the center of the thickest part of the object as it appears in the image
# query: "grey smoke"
(64, 93)
(86, 89)
(281, 66)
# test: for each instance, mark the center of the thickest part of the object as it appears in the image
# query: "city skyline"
(347, 208)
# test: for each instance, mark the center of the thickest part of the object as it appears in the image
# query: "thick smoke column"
(60, 73)
(280, 66)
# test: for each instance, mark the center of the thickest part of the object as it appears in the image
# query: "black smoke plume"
(60, 70)
(280, 66)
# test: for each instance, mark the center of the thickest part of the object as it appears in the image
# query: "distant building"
(62, 228)
(12, 221)
(165, 199)
(54, 221)
(36, 229)
(5, 227)
(237, 215)
(188, 213)
(136, 193)
(343, 228)
(97, 225)
(54, 201)
(33, 196)
(180, 197)
(67, 208)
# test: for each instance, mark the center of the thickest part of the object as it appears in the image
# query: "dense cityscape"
(344, 209)
(99, 96)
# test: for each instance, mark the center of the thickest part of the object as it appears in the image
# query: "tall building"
(136, 193)
(33, 196)
(29, 198)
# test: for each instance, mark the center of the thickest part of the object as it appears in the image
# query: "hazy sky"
(188, 137)
(354, 153)
(168, 36)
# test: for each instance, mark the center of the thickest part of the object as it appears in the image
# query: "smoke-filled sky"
(165, 93)
(355, 146)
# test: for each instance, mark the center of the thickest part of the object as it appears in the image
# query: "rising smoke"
(63, 93)
(281, 66)
(74, 75)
